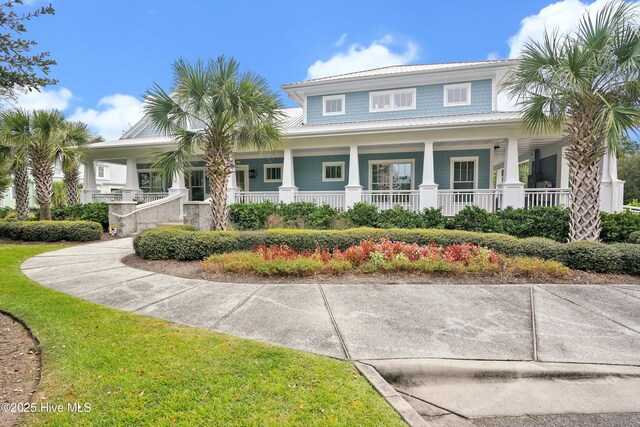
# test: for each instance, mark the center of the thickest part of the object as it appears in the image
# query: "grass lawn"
(136, 370)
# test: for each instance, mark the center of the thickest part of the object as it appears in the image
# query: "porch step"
(171, 222)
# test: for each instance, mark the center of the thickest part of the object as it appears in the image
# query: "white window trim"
(474, 159)
(105, 170)
(392, 93)
(272, 165)
(324, 171)
(392, 161)
(457, 86)
(332, 98)
(245, 170)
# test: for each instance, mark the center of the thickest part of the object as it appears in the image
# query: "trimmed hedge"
(634, 237)
(95, 212)
(172, 243)
(51, 231)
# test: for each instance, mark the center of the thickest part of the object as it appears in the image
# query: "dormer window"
(458, 94)
(332, 105)
(390, 100)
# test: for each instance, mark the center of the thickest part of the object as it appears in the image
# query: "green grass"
(136, 370)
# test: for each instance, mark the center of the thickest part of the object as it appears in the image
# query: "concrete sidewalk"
(547, 323)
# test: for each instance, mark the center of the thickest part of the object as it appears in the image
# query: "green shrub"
(629, 257)
(433, 218)
(51, 231)
(4, 212)
(473, 218)
(321, 217)
(539, 247)
(398, 217)
(634, 237)
(551, 222)
(95, 212)
(251, 216)
(617, 227)
(591, 256)
(362, 215)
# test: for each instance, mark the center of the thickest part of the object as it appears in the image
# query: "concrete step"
(171, 222)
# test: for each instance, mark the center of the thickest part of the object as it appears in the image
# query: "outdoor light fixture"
(252, 173)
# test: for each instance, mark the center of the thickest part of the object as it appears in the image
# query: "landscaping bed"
(19, 367)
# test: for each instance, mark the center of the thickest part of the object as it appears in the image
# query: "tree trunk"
(72, 181)
(218, 167)
(42, 171)
(21, 191)
(584, 222)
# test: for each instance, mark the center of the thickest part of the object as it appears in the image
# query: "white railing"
(256, 196)
(149, 197)
(335, 199)
(387, 199)
(453, 201)
(546, 197)
(106, 197)
(633, 209)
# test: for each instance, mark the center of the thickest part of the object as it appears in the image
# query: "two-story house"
(415, 135)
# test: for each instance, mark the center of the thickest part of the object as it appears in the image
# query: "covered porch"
(446, 174)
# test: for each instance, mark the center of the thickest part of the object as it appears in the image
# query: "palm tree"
(587, 84)
(214, 108)
(73, 139)
(14, 130)
(38, 136)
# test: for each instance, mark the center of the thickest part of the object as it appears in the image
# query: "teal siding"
(257, 183)
(548, 169)
(429, 102)
(308, 173)
(442, 159)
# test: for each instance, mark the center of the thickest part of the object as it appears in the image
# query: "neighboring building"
(415, 135)
(109, 177)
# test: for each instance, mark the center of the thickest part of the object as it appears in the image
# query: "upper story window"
(102, 172)
(458, 94)
(403, 99)
(332, 105)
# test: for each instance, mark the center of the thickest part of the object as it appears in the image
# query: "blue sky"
(108, 53)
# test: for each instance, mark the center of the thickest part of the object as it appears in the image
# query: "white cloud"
(114, 115)
(44, 100)
(562, 16)
(491, 56)
(357, 58)
(341, 40)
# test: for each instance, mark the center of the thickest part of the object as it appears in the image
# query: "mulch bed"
(194, 270)
(19, 366)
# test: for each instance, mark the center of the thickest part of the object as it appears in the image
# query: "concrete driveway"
(546, 323)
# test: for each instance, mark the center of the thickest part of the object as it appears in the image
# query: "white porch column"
(428, 188)
(563, 182)
(512, 188)
(611, 188)
(232, 185)
(131, 184)
(178, 187)
(89, 182)
(353, 190)
(288, 189)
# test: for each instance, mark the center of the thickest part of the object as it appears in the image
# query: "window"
(332, 171)
(332, 105)
(151, 182)
(273, 173)
(404, 99)
(464, 173)
(458, 94)
(391, 175)
(102, 172)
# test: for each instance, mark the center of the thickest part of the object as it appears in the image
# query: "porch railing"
(633, 209)
(453, 201)
(256, 197)
(106, 197)
(149, 197)
(546, 197)
(335, 199)
(387, 199)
